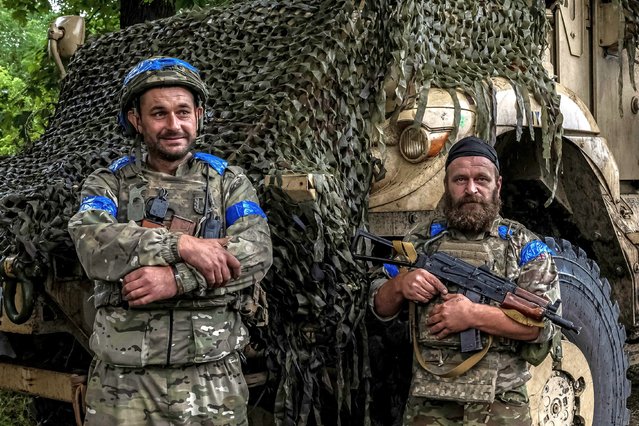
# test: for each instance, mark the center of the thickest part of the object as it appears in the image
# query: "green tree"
(27, 92)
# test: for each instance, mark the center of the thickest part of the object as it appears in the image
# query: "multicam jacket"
(511, 251)
(199, 324)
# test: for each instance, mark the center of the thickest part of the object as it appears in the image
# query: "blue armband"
(533, 250)
(242, 209)
(391, 270)
(98, 202)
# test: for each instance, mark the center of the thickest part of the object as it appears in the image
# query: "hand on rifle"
(455, 314)
(419, 285)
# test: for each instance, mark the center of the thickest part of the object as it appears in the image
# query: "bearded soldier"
(448, 386)
(177, 244)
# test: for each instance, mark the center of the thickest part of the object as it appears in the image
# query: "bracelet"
(178, 280)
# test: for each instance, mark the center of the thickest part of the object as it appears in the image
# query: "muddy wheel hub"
(563, 395)
(558, 400)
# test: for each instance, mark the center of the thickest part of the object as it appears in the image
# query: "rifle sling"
(522, 319)
(456, 371)
(405, 249)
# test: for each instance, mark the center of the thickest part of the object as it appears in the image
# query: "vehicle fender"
(580, 128)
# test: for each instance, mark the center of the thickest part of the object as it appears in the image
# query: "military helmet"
(159, 72)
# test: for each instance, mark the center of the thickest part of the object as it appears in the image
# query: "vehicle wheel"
(588, 386)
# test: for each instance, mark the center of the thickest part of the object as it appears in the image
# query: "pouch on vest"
(476, 385)
(536, 353)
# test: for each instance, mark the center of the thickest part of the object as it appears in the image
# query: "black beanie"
(472, 146)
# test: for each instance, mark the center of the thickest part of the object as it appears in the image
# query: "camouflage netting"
(296, 87)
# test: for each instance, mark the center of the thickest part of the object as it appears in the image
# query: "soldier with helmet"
(176, 243)
(450, 385)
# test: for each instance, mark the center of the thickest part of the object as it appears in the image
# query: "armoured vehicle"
(342, 113)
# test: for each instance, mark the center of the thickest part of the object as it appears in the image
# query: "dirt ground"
(633, 406)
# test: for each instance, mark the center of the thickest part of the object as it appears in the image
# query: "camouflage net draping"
(296, 87)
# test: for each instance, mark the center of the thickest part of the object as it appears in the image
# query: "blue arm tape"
(98, 202)
(241, 209)
(120, 162)
(533, 250)
(217, 163)
(391, 270)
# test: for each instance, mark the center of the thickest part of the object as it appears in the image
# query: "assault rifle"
(479, 285)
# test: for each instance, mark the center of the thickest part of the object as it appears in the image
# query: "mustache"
(172, 134)
(468, 199)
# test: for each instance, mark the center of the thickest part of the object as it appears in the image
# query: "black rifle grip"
(471, 339)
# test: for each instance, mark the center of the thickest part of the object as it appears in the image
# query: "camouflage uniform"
(174, 361)
(493, 391)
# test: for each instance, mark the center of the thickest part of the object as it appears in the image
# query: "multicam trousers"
(208, 394)
(509, 409)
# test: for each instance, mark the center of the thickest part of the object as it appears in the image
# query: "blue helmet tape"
(157, 64)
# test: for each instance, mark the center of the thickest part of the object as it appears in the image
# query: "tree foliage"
(28, 86)
(29, 81)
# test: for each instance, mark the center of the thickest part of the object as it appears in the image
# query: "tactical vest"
(186, 197)
(185, 194)
(181, 330)
(479, 383)
(489, 251)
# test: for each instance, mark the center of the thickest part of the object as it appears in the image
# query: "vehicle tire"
(585, 300)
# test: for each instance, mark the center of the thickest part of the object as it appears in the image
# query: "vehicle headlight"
(414, 144)
(417, 144)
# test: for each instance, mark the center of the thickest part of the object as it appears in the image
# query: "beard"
(156, 149)
(471, 213)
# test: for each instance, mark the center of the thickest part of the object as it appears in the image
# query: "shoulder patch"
(120, 162)
(216, 162)
(436, 228)
(533, 250)
(504, 232)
